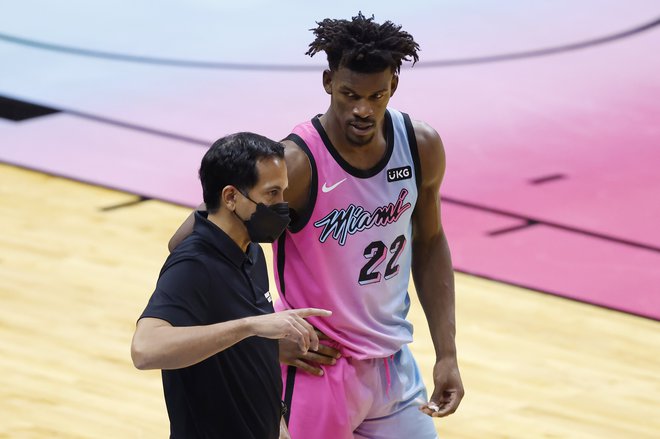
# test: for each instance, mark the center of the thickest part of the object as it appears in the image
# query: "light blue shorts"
(366, 399)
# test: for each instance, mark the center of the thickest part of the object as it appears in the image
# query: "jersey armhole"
(301, 218)
(412, 143)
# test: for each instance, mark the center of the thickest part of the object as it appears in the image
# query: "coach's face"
(358, 101)
(269, 188)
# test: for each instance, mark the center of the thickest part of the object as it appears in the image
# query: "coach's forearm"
(162, 346)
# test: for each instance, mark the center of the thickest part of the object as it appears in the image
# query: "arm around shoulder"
(299, 173)
(184, 229)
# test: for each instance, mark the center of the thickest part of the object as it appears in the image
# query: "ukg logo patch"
(397, 174)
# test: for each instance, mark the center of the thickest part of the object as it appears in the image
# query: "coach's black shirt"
(236, 393)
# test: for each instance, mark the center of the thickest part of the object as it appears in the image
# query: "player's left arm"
(433, 274)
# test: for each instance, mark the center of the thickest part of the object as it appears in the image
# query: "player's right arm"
(184, 229)
(159, 345)
(299, 172)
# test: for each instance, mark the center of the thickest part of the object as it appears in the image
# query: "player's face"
(358, 101)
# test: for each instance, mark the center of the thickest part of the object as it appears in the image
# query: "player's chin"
(359, 141)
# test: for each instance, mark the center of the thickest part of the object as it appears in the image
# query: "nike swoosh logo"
(327, 189)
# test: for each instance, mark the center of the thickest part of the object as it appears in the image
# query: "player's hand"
(289, 325)
(284, 430)
(448, 390)
(308, 361)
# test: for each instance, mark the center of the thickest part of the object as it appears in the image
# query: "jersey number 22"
(376, 253)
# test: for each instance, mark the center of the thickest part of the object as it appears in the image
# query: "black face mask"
(267, 222)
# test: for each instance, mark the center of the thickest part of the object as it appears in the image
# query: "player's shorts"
(375, 399)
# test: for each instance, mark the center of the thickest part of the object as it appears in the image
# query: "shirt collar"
(222, 242)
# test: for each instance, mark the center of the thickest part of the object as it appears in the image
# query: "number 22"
(375, 253)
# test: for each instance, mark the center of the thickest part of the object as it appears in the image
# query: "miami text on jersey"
(343, 222)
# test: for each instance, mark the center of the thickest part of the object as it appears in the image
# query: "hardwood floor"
(76, 274)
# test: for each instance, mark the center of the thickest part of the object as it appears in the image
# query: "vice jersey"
(350, 250)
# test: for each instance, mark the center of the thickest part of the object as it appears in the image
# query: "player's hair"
(363, 45)
(232, 160)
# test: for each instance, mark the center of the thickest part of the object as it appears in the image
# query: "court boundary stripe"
(458, 270)
(448, 199)
(536, 221)
(538, 290)
(172, 62)
(131, 126)
(138, 200)
(525, 225)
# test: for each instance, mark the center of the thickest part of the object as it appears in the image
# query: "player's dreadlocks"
(363, 45)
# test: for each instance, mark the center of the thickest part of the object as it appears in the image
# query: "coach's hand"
(309, 360)
(289, 325)
(448, 390)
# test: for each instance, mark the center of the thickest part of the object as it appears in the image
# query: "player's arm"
(159, 345)
(184, 229)
(284, 430)
(433, 274)
(299, 172)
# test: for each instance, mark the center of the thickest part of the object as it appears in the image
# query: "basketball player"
(364, 184)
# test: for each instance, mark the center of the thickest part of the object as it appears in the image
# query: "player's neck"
(363, 156)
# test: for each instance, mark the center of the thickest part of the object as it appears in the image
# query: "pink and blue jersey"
(352, 245)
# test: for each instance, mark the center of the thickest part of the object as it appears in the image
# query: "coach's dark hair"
(232, 160)
(363, 45)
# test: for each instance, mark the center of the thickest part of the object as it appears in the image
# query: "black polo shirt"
(236, 393)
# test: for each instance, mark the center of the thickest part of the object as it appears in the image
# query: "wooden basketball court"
(79, 262)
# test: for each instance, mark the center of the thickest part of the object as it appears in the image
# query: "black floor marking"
(16, 110)
(95, 184)
(501, 212)
(139, 200)
(130, 126)
(544, 51)
(492, 278)
(527, 224)
(548, 178)
(303, 67)
(122, 124)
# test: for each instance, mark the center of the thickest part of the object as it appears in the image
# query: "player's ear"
(327, 81)
(394, 84)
